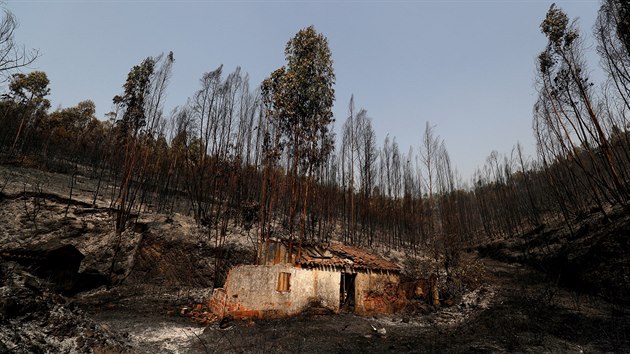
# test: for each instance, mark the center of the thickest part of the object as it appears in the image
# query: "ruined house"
(332, 276)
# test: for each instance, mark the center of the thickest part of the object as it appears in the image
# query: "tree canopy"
(300, 97)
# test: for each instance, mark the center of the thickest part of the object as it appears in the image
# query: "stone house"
(333, 276)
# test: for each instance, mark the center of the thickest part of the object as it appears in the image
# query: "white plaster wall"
(253, 288)
(327, 288)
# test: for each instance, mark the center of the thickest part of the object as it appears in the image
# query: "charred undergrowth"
(591, 256)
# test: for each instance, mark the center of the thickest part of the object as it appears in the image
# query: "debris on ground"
(34, 319)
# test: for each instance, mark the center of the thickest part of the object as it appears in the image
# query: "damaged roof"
(339, 255)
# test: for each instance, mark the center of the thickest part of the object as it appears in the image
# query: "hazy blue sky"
(467, 67)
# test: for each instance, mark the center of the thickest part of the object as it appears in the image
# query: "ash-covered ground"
(127, 294)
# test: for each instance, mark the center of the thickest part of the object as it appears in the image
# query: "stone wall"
(251, 291)
(217, 303)
(377, 293)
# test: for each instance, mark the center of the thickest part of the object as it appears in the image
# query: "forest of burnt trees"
(246, 153)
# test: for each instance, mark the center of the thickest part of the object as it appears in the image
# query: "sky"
(466, 67)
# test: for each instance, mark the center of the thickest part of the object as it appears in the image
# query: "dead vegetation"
(146, 212)
(166, 263)
(591, 256)
(35, 319)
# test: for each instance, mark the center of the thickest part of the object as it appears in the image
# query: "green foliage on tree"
(136, 89)
(74, 120)
(300, 96)
(566, 114)
(73, 128)
(31, 89)
(298, 99)
(28, 92)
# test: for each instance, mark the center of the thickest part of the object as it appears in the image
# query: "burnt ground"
(518, 310)
(551, 291)
(150, 317)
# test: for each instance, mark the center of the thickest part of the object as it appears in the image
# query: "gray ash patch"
(33, 319)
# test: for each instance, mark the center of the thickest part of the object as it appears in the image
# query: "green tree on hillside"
(28, 92)
(133, 100)
(567, 116)
(299, 98)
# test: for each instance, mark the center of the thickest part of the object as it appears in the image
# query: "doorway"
(347, 292)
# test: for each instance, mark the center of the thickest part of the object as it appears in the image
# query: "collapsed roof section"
(334, 255)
